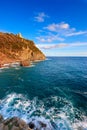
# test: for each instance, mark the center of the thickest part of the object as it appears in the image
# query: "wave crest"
(56, 112)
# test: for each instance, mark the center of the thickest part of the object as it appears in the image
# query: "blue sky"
(58, 27)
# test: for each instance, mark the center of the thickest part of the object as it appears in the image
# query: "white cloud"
(40, 17)
(64, 26)
(58, 32)
(76, 33)
(49, 38)
(61, 45)
(51, 46)
(64, 29)
(63, 54)
(56, 27)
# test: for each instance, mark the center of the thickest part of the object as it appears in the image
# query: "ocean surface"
(53, 91)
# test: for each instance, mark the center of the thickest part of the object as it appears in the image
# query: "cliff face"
(14, 48)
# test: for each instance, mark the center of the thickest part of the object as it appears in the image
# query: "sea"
(53, 92)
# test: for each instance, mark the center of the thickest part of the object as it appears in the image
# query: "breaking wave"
(55, 112)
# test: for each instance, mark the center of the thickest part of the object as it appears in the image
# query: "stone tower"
(19, 35)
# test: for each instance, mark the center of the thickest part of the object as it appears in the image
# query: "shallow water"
(53, 91)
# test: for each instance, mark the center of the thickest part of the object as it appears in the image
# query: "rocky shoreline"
(16, 123)
(16, 63)
(24, 63)
(15, 48)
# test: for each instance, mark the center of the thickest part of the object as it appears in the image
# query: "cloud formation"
(40, 17)
(56, 27)
(64, 29)
(49, 38)
(57, 32)
(61, 45)
(76, 33)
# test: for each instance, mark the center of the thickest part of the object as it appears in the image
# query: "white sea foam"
(48, 58)
(80, 125)
(32, 65)
(36, 111)
(17, 68)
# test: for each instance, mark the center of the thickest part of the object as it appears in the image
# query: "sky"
(58, 27)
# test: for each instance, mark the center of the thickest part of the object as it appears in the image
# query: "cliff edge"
(15, 48)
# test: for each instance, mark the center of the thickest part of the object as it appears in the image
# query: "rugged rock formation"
(25, 63)
(14, 123)
(15, 48)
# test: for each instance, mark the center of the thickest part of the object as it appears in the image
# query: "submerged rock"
(31, 125)
(43, 125)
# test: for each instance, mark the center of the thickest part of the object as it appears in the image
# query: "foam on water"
(32, 65)
(36, 111)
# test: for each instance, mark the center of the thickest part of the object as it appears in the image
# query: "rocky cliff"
(15, 48)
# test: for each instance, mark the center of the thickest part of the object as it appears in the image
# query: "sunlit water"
(53, 91)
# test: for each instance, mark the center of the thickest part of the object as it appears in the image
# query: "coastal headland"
(14, 49)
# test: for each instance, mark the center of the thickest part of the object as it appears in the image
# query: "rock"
(0, 65)
(80, 128)
(14, 123)
(15, 48)
(15, 128)
(1, 126)
(22, 124)
(7, 121)
(24, 63)
(42, 124)
(31, 125)
(5, 127)
(1, 118)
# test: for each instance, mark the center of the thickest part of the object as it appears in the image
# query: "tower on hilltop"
(19, 35)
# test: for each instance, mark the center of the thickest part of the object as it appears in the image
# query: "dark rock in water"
(54, 125)
(31, 125)
(24, 63)
(42, 124)
(1, 118)
(80, 128)
(7, 121)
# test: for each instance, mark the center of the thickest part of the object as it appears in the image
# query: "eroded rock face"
(14, 48)
(25, 63)
(14, 123)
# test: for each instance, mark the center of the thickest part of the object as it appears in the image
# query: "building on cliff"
(20, 35)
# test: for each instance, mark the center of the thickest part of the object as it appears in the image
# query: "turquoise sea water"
(53, 91)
